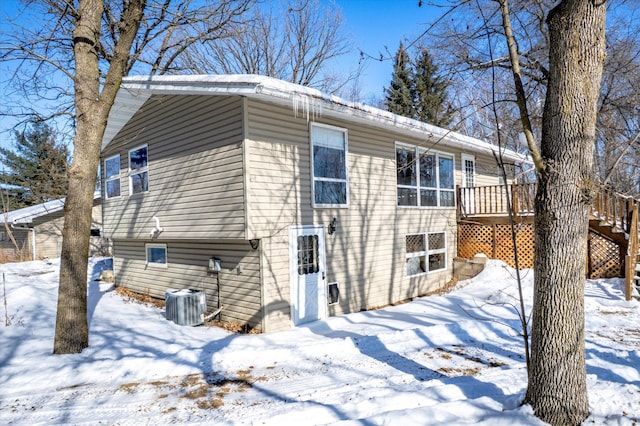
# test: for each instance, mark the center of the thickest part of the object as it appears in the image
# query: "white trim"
(113, 178)
(463, 159)
(442, 250)
(346, 167)
(27, 214)
(135, 90)
(148, 246)
(468, 197)
(249, 231)
(416, 254)
(425, 253)
(294, 232)
(140, 171)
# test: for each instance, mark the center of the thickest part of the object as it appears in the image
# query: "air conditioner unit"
(185, 307)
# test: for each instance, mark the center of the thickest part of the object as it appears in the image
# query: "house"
(283, 204)
(37, 230)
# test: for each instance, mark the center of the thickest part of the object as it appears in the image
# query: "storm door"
(307, 259)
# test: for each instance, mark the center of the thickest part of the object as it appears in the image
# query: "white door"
(468, 181)
(307, 259)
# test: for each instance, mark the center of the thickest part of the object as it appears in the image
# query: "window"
(112, 176)
(156, 255)
(425, 253)
(424, 178)
(468, 171)
(138, 170)
(329, 166)
(308, 254)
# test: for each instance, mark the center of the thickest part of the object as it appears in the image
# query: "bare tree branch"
(520, 93)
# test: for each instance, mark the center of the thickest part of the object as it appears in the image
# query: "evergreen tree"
(398, 96)
(36, 167)
(430, 92)
(417, 91)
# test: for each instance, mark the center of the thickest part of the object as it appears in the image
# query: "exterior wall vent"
(185, 307)
(333, 293)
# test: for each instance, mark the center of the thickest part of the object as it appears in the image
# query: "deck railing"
(609, 207)
(614, 209)
(493, 200)
(632, 257)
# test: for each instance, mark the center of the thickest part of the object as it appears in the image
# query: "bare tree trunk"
(92, 109)
(103, 34)
(72, 329)
(557, 380)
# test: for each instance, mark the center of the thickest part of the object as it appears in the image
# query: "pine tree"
(398, 99)
(430, 92)
(417, 90)
(35, 167)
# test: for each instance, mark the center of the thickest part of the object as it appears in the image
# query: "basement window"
(425, 253)
(156, 255)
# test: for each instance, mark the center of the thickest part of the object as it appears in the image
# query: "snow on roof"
(27, 214)
(305, 101)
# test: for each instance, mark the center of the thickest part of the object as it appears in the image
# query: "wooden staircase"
(613, 217)
(633, 274)
(616, 216)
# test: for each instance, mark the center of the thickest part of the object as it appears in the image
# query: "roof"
(306, 101)
(27, 214)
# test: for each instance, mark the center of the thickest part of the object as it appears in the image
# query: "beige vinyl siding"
(366, 254)
(23, 238)
(195, 163)
(275, 281)
(48, 233)
(223, 170)
(487, 172)
(187, 268)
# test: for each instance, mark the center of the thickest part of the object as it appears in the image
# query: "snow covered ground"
(451, 359)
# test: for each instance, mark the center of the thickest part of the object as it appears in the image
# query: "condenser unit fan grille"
(185, 307)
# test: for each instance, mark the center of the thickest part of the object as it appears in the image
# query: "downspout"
(33, 235)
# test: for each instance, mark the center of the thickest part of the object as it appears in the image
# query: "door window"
(307, 254)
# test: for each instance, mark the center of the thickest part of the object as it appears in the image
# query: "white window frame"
(156, 264)
(315, 179)
(135, 172)
(442, 250)
(426, 252)
(113, 178)
(418, 151)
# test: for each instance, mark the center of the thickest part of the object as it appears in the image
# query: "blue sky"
(378, 26)
(374, 26)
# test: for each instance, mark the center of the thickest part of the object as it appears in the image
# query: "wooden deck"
(484, 227)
